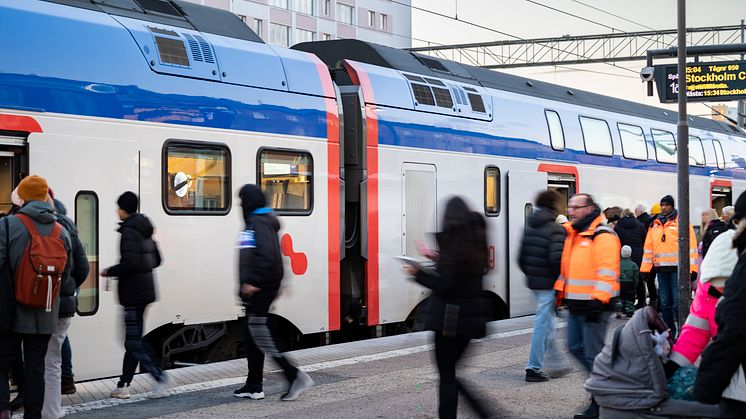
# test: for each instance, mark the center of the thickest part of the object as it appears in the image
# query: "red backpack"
(38, 276)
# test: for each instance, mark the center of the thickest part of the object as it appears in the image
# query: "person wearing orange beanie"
(33, 188)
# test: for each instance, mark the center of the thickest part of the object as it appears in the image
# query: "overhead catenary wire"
(613, 14)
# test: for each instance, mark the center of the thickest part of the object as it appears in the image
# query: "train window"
(596, 136)
(491, 191)
(719, 155)
(696, 151)
(422, 94)
(477, 104)
(633, 142)
(286, 178)
(665, 146)
(443, 97)
(196, 180)
(556, 133)
(86, 219)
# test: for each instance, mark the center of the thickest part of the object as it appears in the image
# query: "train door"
(523, 187)
(721, 194)
(563, 184)
(13, 167)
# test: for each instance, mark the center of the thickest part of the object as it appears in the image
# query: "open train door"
(721, 194)
(523, 187)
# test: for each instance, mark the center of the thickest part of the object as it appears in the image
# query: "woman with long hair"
(457, 312)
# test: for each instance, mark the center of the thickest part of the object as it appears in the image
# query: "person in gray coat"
(31, 326)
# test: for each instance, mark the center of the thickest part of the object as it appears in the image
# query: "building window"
(556, 133)
(305, 6)
(665, 146)
(279, 34)
(196, 179)
(491, 191)
(633, 142)
(371, 18)
(596, 136)
(86, 219)
(384, 22)
(302, 35)
(242, 17)
(696, 151)
(286, 178)
(258, 27)
(327, 7)
(282, 4)
(346, 13)
(326, 36)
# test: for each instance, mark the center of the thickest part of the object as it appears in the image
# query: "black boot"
(68, 385)
(16, 403)
(591, 412)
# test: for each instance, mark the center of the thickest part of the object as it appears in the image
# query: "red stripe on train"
(19, 123)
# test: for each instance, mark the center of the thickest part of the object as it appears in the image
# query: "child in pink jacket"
(700, 326)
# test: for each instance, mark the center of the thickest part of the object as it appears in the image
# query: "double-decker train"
(355, 145)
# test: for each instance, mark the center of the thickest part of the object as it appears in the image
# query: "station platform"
(385, 377)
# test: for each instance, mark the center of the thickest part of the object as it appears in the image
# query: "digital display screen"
(706, 82)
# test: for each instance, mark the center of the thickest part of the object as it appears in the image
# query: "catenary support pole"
(682, 142)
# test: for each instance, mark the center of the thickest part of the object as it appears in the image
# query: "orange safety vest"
(590, 263)
(662, 246)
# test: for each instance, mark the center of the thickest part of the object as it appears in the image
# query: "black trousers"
(261, 338)
(448, 350)
(136, 351)
(34, 351)
(649, 282)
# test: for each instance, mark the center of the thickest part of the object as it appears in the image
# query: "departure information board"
(705, 82)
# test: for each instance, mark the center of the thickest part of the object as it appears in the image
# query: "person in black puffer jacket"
(539, 259)
(136, 289)
(714, 228)
(260, 275)
(631, 232)
(726, 354)
(457, 310)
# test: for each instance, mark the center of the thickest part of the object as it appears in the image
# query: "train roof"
(177, 13)
(334, 51)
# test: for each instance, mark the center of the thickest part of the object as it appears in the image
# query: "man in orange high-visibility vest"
(662, 252)
(589, 279)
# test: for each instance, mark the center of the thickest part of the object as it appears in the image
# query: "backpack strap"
(603, 230)
(29, 224)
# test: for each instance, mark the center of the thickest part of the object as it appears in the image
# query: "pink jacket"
(699, 328)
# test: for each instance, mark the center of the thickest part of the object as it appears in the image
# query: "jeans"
(53, 370)
(542, 340)
(67, 358)
(34, 351)
(136, 352)
(448, 351)
(668, 282)
(585, 339)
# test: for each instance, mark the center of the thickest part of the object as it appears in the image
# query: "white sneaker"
(160, 389)
(301, 383)
(121, 393)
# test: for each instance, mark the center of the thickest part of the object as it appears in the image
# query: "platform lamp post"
(682, 131)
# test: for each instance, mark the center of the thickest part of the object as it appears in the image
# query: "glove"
(595, 308)
(693, 276)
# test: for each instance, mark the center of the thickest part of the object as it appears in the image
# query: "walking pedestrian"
(662, 252)
(539, 258)
(139, 255)
(711, 227)
(68, 302)
(641, 214)
(30, 313)
(720, 378)
(588, 281)
(260, 275)
(456, 312)
(628, 278)
(631, 232)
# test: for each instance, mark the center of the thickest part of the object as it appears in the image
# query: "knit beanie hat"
(128, 202)
(668, 199)
(655, 209)
(626, 251)
(33, 188)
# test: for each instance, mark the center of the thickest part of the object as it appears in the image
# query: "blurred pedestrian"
(631, 233)
(628, 278)
(260, 275)
(68, 303)
(720, 378)
(662, 252)
(727, 216)
(457, 311)
(613, 215)
(588, 281)
(711, 227)
(539, 259)
(24, 321)
(641, 214)
(139, 256)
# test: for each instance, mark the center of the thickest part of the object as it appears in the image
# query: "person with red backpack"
(34, 254)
